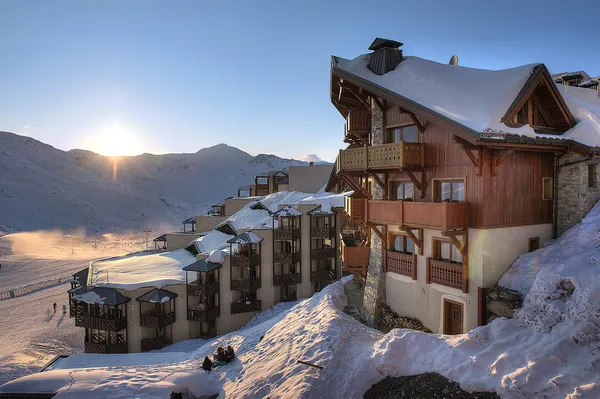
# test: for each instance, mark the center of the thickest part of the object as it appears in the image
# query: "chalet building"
(455, 172)
(282, 247)
(306, 179)
(578, 79)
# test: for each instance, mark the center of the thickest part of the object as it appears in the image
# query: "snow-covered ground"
(551, 348)
(29, 335)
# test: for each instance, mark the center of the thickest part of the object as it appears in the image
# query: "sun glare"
(115, 140)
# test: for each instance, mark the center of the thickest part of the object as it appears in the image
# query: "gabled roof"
(226, 227)
(259, 206)
(78, 290)
(220, 204)
(202, 266)
(190, 220)
(245, 187)
(246, 238)
(161, 238)
(321, 212)
(82, 276)
(157, 295)
(588, 83)
(571, 75)
(101, 296)
(287, 211)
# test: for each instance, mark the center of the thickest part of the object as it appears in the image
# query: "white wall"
(308, 179)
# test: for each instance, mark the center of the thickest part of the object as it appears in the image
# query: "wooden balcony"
(400, 263)
(355, 256)
(151, 344)
(286, 234)
(322, 232)
(286, 258)
(446, 273)
(92, 347)
(150, 320)
(245, 260)
(100, 323)
(261, 189)
(194, 288)
(358, 123)
(245, 285)
(381, 157)
(323, 253)
(442, 216)
(203, 315)
(243, 307)
(355, 207)
(289, 279)
(322, 275)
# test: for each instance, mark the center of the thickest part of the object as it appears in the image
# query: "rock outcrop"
(501, 302)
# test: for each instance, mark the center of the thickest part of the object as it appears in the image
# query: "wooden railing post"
(428, 274)
(414, 267)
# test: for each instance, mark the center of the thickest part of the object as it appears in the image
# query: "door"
(453, 317)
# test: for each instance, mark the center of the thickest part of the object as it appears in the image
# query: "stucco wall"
(208, 222)
(308, 179)
(178, 240)
(232, 205)
(575, 197)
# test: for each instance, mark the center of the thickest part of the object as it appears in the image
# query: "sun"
(114, 140)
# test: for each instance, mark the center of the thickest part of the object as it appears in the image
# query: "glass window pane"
(409, 191)
(458, 191)
(444, 191)
(445, 250)
(409, 246)
(397, 135)
(456, 255)
(399, 244)
(409, 134)
(400, 191)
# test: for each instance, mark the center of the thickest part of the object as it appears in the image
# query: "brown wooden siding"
(511, 197)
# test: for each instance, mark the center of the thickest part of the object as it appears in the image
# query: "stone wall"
(574, 196)
(501, 302)
(374, 295)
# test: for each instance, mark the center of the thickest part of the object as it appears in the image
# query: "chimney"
(385, 57)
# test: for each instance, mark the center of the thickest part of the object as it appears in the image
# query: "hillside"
(42, 187)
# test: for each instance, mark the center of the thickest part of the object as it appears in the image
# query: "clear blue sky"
(177, 76)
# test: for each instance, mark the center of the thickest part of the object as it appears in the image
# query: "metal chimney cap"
(380, 43)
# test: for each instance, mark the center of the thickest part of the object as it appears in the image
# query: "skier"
(54, 306)
(64, 309)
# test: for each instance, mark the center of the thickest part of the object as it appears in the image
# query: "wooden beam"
(414, 119)
(420, 185)
(355, 186)
(418, 241)
(497, 160)
(460, 245)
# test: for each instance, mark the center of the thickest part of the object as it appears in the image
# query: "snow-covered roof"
(477, 99)
(190, 220)
(588, 83)
(211, 241)
(248, 237)
(202, 266)
(287, 211)
(321, 212)
(141, 269)
(161, 238)
(102, 296)
(156, 295)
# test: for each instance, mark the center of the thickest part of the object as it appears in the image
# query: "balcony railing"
(322, 275)
(379, 157)
(322, 232)
(355, 207)
(100, 323)
(203, 315)
(355, 256)
(195, 288)
(400, 263)
(245, 260)
(428, 215)
(286, 234)
(288, 279)
(92, 347)
(323, 253)
(243, 307)
(286, 258)
(358, 122)
(151, 344)
(261, 189)
(150, 320)
(447, 273)
(245, 285)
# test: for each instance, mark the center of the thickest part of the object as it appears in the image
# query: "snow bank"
(141, 269)
(211, 241)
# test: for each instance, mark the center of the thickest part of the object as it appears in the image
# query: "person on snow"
(220, 356)
(54, 306)
(229, 354)
(207, 365)
(64, 309)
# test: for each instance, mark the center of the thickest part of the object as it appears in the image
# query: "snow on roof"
(588, 83)
(161, 238)
(248, 237)
(156, 295)
(475, 98)
(321, 212)
(141, 269)
(211, 241)
(101, 295)
(286, 212)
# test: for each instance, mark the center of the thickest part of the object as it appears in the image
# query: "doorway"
(453, 317)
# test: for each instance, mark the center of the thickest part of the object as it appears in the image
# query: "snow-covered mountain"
(42, 187)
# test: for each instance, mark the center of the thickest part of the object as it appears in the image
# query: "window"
(450, 191)
(592, 175)
(403, 191)
(546, 188)
(534, 243)
(402, 243)
(402, 133)
(445, 251)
